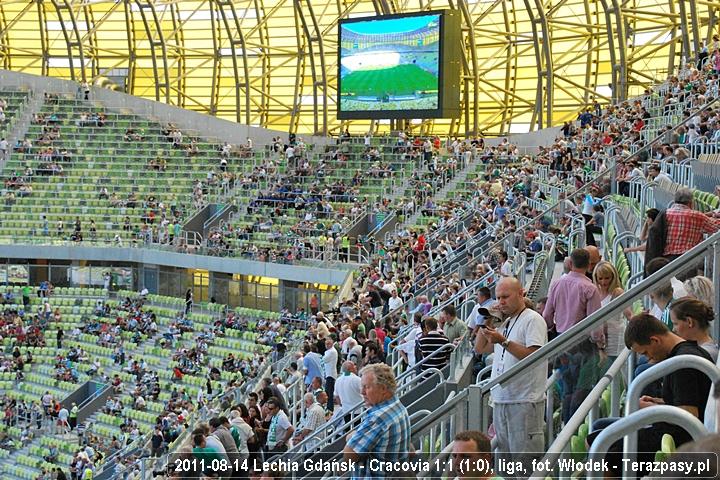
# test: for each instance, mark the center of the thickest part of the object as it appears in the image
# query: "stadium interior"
(202, 267)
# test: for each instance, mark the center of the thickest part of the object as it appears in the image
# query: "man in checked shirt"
(686, 227)
(383, 437)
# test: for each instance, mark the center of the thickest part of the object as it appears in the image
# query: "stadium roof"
(273, 63)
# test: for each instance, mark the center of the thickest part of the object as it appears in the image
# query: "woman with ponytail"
(691, 320)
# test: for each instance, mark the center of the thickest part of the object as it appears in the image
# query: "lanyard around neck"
(509, 330)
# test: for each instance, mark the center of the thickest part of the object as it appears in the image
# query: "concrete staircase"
(23, 121)
(458, 179)
(441, 194)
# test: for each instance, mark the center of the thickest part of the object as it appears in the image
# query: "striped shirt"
(430, 343)
(384, 434)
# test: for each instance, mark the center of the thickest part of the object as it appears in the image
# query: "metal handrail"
(216, 215)
(550, 404)
(469, 288)
(420, 414)
(427, 428)
(657, 372)
(463, 349)
(388, 218)
(627, 425)
(484, 371)
(482, 239)
(557, 447)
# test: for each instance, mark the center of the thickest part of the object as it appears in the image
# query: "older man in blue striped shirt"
(384, 434)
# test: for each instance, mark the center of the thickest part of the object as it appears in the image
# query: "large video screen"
(390, 65)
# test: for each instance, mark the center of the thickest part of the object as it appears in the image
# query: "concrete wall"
(543, 137)
(171, 259)
(359, 228)
(389, 226)
(219, 215)
(197, 221)
(80, 395)
(204, 125)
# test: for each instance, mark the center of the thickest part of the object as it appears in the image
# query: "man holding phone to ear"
(484, 301)
(518, 412)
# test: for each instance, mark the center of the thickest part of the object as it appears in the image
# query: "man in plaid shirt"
(384, 434)
(312, 421)
(685, 227)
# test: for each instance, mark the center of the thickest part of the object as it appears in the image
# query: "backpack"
(656, 239)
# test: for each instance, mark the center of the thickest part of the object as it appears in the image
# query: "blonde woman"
(701, 288)
(607, 281)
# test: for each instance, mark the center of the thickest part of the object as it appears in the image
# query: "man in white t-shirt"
(355, 353)
(506, 264)
(655, 173)
(63, 415)
(47, 400)
(427, 149)
(330, 360)
(347, 342)
(408, 345)
(280, 431)
(281, 388)
(347, 387)
(518, 413)
(394, 302)
(225, 150)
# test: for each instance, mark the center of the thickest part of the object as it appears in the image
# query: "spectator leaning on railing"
(313, 419)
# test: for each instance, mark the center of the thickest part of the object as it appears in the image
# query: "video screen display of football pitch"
(390, 64)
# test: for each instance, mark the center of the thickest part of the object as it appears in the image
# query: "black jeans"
(330, 390)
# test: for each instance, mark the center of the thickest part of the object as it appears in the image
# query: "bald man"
(594, 259)
(347, 388)
(518, 413)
